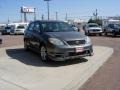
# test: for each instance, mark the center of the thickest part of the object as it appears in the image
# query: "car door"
(111, 28)
(37, 36)
(29, 34)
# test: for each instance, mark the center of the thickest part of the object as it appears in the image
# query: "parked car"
(7, 30)
(19, 29)
(74, 27)
(113, 29)
(56, 40)
(93, 28)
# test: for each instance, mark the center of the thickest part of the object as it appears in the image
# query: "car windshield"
(21, 27)
(56, 27)
(7, 27)
(94, 25)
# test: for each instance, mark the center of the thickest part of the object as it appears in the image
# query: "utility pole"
(34, 14)
(20, 16)
(48, 9)
(95, 14)
(25, 17)
(8, 20)
(56, 15)
(66, 17)
(42, 17)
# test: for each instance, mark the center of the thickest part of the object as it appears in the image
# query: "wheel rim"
(43, 53)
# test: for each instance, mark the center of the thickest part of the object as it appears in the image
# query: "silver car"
(93, 28)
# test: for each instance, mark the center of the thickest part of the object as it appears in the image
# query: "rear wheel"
(2, 33)
(87, 33)
(106, 34)
(26, 45)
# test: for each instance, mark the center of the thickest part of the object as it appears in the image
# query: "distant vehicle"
(56, 40)
(2, 26)
(74, 27)
(93, 28)
(19, 28)
(7, 30)
(0, 39)
(113, 29)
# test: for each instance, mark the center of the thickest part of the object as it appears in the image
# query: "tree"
(91, 20)
(98, 21)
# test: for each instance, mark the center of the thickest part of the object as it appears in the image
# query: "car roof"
(47, 21)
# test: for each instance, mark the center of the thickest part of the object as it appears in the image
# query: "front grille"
(96, 30)
(76, 42)
(75, 54)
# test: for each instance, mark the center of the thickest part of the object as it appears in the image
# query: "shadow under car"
(30, 58)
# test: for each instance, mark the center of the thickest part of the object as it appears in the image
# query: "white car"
(20, 29)
(93, 28)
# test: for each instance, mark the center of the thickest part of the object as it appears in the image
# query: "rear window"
(94, 25)
(21, 27)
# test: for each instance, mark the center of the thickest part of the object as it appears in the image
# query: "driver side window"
(37, 27)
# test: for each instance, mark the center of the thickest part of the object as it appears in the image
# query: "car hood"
(66, 35)
(94, 28)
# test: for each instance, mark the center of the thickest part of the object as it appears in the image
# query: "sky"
(74, 8)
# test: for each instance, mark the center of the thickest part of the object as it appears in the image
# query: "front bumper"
(95, 31)
(19, 32)
(64, 53)
(5, 32)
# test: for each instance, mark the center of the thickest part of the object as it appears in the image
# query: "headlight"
(55, 41)
(88, 40)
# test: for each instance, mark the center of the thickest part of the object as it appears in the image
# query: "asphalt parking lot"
(107, 81)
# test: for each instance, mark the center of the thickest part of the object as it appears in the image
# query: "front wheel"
(100, 34)
(114, 34)
(43, 53)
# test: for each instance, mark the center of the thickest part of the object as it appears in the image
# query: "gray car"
(56, 40)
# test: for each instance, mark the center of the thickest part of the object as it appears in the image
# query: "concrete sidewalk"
(21, 70)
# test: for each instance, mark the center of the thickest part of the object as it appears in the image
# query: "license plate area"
(79, 49)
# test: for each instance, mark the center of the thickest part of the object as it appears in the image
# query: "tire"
(26, 47)
(43, 54)
(100, 34)
(106, 34)
(2, 33)
(87, 33)
(114, 34)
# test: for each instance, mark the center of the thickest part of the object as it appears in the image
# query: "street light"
(48, 8)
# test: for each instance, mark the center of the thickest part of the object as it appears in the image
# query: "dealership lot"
(24, 70)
